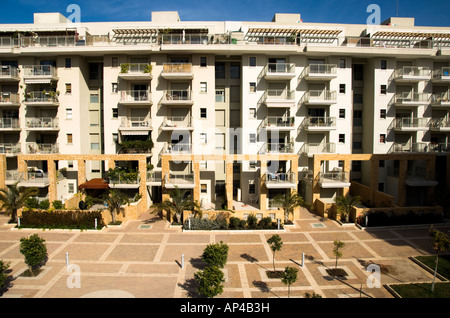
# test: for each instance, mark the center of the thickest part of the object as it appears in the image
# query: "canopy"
(97, 183)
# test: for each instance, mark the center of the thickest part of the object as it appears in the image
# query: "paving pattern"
(143, 259)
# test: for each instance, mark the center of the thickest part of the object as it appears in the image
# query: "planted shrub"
(206, 224)
(3, 275)
(216, 254)
(266, 223)
(34, 251)
(32, 203)
(58, 205)
(61, 219)
(44, 205)
(252, 221)
(236, 223)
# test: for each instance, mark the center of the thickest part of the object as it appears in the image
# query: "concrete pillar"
(81, 171)
(315, 181)
(262, 185)
(2, 171)
(196, 170)
(111, 164)
(374, 177)
(403, 167)
(294, 169)
(229, 183)
(347, 168)
(142, 165)
(53, 179)
(165, 164)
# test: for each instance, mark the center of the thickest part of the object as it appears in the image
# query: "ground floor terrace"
(143, 258)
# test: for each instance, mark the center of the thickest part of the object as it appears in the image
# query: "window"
(252, 113)
(252, 61)
(235, 71)
(95, 146)
(235, 94)
(203, 61)
(252, 138)
(203, 165)
(342, 88)
(383, 113)
(220, 95)
(383, 64)
(203, 87)
(356, 166)
(357, 117)
(251, 188)
(341, 113)
(252, 87)
(220, 70)
(114, 61)
(202, 112)
(203, 138)
(382, 138)
(357, 98)
(68, 113)
(93, 99)
(342, 138)
(68, 88)
(342, 63)
(69, 138)
(203, 188)
(383, 89)
(70, 164)
(70, 187)
(68, 62)
(115, 112)
(252, 165)
(114, 87)
(341, 163)
(381, 163)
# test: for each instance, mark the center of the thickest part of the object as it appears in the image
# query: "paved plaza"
(143, 258)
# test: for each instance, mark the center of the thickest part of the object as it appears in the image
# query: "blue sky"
(426, 13)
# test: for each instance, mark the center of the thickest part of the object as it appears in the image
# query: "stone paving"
(143, 259)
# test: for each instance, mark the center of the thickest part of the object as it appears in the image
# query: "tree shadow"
(263, 287)
(190, 286)
(249, 258)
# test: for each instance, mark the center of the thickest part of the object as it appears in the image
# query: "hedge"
(61, 219)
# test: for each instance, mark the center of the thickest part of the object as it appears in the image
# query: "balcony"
(421, 178)
(411, 74)
(319, 97)
(319, 72)
(334, 179)
(186, 39)
(35, 148)
(135, 97)
(177, 71)
(125, 180)
(135, 126)
(279, 71)
(275, 123)
(177, 97)
(439, 148)
(419, 147)
(10, 149)
(310, 149)
(277, 148)
(39, 74)
(42, 124)
(135, 71)
(180, 180)
(41, 99)
(280, 180)
(410, 124)
(12, 176)
(440, 124)
(441, 75)
(278, 98)
(317, 123)
(9, 99)
(178, 148)
(9, 124)
(171, 123)
(9, 74)
(154, 178)
(36, 179)
(440, 100)
(411, 99)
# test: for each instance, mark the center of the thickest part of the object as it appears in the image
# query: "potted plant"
(124, 68)
(148, 68)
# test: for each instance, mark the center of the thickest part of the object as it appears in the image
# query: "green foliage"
(114, 200)
(124, 175)
(275, 244)
(58, 205)
(337, 249)
(124, 68)
(61, 219)
(136, 146)
(180, 201)
(216, 254)
(236, 223)
(32, 203)
(289, 277)
(3, 275)
(210, 281)
(266, 223)
(14, 197)
(252, 221)
(288, 202)
(313, 295)
(34, 251)
(44, 205)
(206, 224)
(345, 205)
(148, 68)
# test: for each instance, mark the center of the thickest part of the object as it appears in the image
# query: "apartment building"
(237, 112)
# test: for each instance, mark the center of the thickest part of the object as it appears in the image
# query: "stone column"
(347, 169)
(143, 180)
(2, 171)
(374, 177)
(196, 170)
(53, 179)
(165, 164)
(294, 170)
(229, 183)
(262, 185)
(315, 181)
(81, 171)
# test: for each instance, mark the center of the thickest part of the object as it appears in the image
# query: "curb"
(427, 268)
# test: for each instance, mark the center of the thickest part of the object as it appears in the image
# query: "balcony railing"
(439, 123)
(8, 71)
(280, 177)
(135, 96)
(410, 123)
(281, 148)
(186, 39)
(42, 122)
(9, 98)
(440, 99)
(178, 148)
(319, 96)
(439, 147)
(278, 122)
(179, 178)
(412, 72)
(412, 97)
(318, 148)
(41, 97)
(10, 148)
(135, 122)
(39, 71)
(36, 177)
(135, 68)
(9, 123)
(177, 95)
(177, 68)
(44, 148)
(314, 70)
(339, 176)
(279, 69)
(7, 42)
(154, 176)
(442, 73)
(125, 178)
(177, 122)
(319, 122)
(273, 40)
(408, 147)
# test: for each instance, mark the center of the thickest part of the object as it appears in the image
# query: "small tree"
(337, 250)
(441, 243)
(289, 201)
(179, 201)
(275, 245)
(3, 275)
(345, 204)
(34, 251)
(216, 254)
(289, 277)
(13, 198)
(115, 199)
(210, 281)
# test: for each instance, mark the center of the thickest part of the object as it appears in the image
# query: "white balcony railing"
(180, 178)
(41, 97)
(39, 71)
(154, 176)
(279, 68)
(41, 148)
(9, 123)
(278, 121)
(135, 96)
(178, 148)
(177, 95)
(319, 96)
(8, 71)
(439, 147)
(177, 122)
(135, 122)
(10, 148)
(334, 176)
(186, 39)
(411, 97)
(320, 69)
(9, 98)
(177, 68)
(318, 148)
(408, 147)
(319, 121)
(410, 122)
(412, 71)
(280, 177)
(42, 122)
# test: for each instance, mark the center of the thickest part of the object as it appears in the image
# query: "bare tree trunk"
(435, 271)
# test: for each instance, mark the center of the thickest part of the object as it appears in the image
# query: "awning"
(409, 35)
(135, 31)
(292, 31)
(97, 183)
(38, 81)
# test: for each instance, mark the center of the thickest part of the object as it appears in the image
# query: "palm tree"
(180, 202)
(13, 198)
(289, 201)
(115, 199)
(345, 205)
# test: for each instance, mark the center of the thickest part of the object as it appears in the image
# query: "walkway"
(143, 258)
